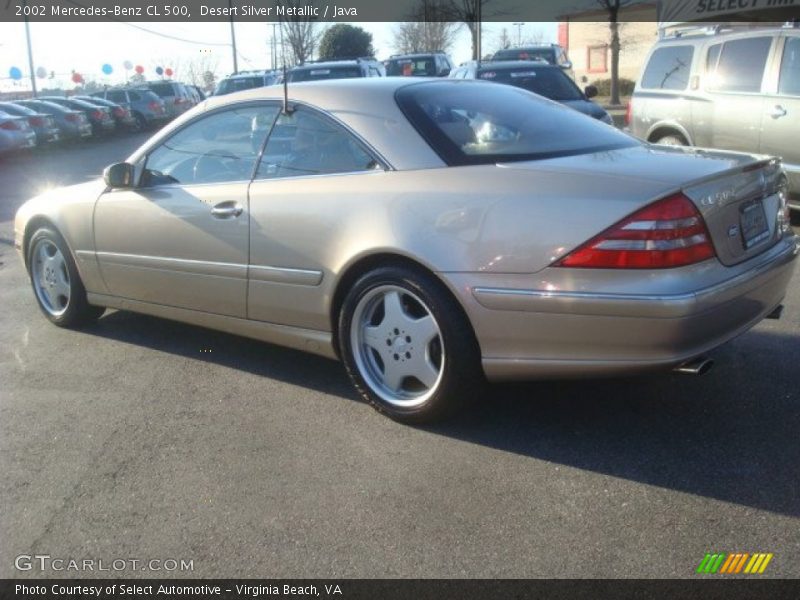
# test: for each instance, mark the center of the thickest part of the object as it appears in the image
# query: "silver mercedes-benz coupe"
(430, 234)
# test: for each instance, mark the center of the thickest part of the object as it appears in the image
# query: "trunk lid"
(735, 192)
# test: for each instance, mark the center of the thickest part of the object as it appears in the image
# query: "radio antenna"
(287, 110)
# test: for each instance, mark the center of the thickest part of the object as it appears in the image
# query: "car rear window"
(668, 68)
(546, 81)
(162, 90)
(741, 65)
(408, 67)
(229, 86)
(476, 122)
(316, 74)
(548, 54)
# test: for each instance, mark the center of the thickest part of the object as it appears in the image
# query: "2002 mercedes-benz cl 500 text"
(427, 233)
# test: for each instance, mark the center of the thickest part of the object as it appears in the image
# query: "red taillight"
(629, 112)
(119, 112)
(36, 121)
(11, 125)
(73, 117)
(668, 233)
(156, 106)
(97, 114)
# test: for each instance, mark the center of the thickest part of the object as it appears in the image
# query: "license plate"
(753, 220)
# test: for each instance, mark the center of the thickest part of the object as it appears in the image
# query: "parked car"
(245, 80)
(72, 124)
(736, 89)
(486, 231)
(43, 125)
(121, 114)
(540, 78)
(148, 110)
(551, 53)
(15, 133)
(336, 69)
(197, 94)
(176, 97)
(432, 64)
(99, 116)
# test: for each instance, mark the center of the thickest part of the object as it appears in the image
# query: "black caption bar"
(396, 10)
(391, 589)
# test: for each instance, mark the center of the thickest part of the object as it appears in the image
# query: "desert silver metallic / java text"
(397, 346)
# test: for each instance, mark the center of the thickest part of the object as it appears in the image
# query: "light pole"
(519, 33)
(233, 39)
(30, 52)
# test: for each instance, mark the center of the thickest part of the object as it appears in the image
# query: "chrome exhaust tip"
(697, 366)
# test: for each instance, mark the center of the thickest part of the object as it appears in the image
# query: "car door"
(735, 86)
(781, 118)
(312, 172)
(179, 238)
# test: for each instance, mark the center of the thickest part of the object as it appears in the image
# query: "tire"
(672, 140)
(56, 283)
(407, 346)
(141, 122)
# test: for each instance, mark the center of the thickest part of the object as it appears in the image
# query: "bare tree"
(471, 13)
(612, 8)
(534, 39)
(429, 30)
(503, 40)
(300, 34)
(197, 69)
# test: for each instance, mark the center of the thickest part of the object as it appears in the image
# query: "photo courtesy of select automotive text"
(420, 299)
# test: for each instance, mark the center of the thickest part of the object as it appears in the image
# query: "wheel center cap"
(399, 344)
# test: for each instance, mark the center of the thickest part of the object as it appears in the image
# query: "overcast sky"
(85, 47)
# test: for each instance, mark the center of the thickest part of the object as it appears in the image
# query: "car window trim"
(203, 115)
(325, 115)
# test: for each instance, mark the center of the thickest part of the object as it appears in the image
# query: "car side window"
(134, 96)
(306, 143)
(116, 96)
(220, 147)
(741, 65)
(668, 68)
(789, 81)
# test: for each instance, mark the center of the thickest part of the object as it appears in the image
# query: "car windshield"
(315, 74)
(228, 86)
(547, 54)
(476, 122)
(548, 82)
(411, 66)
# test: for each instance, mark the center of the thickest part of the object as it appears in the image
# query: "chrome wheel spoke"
(424, 371)
(393, 375)
(393, 312)
(373, 338)
(424, 330)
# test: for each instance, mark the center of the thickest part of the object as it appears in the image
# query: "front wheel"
(56, 282)
(671, 140)
(407, 346)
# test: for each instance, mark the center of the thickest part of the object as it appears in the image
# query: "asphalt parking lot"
(139, 438)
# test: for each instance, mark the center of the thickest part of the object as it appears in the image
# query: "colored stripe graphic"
(733, 563)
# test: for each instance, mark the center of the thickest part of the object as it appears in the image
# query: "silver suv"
(734, 89)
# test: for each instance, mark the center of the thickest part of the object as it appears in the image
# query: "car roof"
(415, 55)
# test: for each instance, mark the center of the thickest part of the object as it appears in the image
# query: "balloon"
(41, 72)
(15, 73)
(77, 78)
(128, 65)
(168, 72)
(159, 71)
(107, 69)
(139, 69)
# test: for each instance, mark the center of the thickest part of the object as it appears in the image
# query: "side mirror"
(119, 175)
(444, 72)
(590, 91)
(566, 65)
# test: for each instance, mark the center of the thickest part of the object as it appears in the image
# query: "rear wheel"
(141, 122)
(56, 282)
(672, 140)
(407, 346)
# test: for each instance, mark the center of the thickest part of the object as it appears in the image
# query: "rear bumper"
(543, 333)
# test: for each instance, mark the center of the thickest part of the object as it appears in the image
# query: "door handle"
(226, 210)
(777, 112)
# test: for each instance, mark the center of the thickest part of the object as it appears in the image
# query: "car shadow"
(731, 434)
